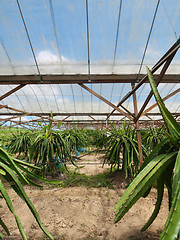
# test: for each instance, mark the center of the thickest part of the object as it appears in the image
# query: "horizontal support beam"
(81, 78)
(91, 122)
(100, 121)
(78, 114)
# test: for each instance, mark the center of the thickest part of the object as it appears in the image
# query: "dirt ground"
(78, 213)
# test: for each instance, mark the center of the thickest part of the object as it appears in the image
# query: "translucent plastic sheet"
(57, 30)
(53, 39)
(14, 42)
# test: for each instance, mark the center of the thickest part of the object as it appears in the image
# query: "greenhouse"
(85, 76)
(80, 59)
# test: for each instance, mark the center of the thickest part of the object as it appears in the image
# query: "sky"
(58, 34)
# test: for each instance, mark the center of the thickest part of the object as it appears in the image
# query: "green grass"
(75, 179)
(6, 134)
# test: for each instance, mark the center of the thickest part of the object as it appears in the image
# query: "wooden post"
(137, 126)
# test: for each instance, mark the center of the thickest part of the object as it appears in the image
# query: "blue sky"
(70, 20)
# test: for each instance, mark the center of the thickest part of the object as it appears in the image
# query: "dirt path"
(91, 164)
(78, 213)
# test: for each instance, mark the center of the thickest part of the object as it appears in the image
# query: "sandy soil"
(78, 213)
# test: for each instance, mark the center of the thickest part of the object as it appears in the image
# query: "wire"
(148, 38)
(36, 98)
(73, 98)
(88, 49)
(175, 34)
(116, 43)
(44, 97)
(9, 59)
(119, 101)
(174, 102)
(18, 100)
(88, 45)
(82, 98)
(99, 99)
(29, 40)
(112, 89)
(55, 33)
(54, 97)
(117, 34)
(62, 98)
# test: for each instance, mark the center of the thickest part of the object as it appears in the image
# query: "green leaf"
(176, 177)
(137, 180)
(10, 206)
(156, 150)
(1, 235)
(25, 198)
(168, 182)
(160, 190)
(6, 197)
(51, 114)
(172, 225)
(141, 183)
(20, 228)
(25, 163)
(4, 227)
(172, 126)
(7, 158)
(2, 172)
(38, 177)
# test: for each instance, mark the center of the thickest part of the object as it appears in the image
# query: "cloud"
(153, 53)
(46, 57)
(61, 100)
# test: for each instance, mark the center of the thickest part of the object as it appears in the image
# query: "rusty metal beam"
(79, 114)
(9, 119)
(24, 122)
(131, 114)
(155, 121)
(105, 100)
(97, 121)
(65, 118)
(164, 99)
(55, 122)
(137, 127)
(82, 78)
(19, 111)
(165, 67)
(12, 91)
(166, 56)
(81, 123)
(102, 120)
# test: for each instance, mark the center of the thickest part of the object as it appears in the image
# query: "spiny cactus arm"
(142, 183)
(160, 191)
(172, 226)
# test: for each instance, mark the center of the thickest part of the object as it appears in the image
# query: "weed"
(100, 180)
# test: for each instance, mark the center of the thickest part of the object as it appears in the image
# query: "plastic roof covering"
(118, 33)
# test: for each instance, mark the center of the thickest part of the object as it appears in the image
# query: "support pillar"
(137, 126)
